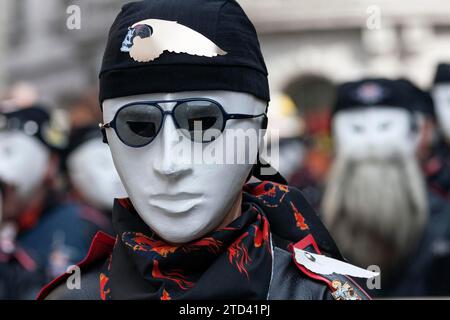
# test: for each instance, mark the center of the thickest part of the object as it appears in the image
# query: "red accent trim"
(306, 242)
(432, 166)
(101, 247)
(302, 245)
(25, 260)
(126, 203)
(30, 217)
(310, 241)
(315, 276)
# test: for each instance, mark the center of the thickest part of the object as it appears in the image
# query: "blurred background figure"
(438, 165)
(40, 234)
(92, 180)
(28, 172)
(286, 128)
(310, 46)
(314, 114)
(377, 205)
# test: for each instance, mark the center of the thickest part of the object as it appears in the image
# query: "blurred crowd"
(375, 165)
(57, 182)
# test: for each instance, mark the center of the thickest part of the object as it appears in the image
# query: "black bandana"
(177, 69)
(234, 262)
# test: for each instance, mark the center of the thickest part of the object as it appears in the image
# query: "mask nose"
(173, 160)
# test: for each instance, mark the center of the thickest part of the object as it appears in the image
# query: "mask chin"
(92, 172)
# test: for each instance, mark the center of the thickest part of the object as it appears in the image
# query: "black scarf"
(234, 262)
(439, 178)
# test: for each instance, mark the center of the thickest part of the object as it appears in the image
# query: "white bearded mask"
(441, 97)
(92, 172)
(23, 163)
(375, 203)
(180, 199)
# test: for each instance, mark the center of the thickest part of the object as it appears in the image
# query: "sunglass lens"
(137, 125)
(201, 121)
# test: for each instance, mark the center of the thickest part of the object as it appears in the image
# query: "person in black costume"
(182, 73)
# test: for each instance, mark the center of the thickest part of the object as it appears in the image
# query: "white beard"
(376, 209)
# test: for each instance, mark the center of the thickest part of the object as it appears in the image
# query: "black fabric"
(77, 137)
(442, 73)
(230, 263)
(257, 172)
(399, 93)
(221, 21)
(287, 283)
(423, 103)
(426, 272)
(439, 180)
(290, 284)
(80, 135)
(89, 289)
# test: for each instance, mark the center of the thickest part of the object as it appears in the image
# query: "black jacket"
(288, 283)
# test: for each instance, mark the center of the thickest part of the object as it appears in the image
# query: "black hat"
(77, 137)
(442, 73)
(34, 121)
(400, 93)
(424, 103)
(226, 53)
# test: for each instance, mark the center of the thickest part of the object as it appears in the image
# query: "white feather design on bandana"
(148, 39)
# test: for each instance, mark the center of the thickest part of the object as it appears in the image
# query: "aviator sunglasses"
(201, 120)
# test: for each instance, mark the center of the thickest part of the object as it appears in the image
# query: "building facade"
(309, 44)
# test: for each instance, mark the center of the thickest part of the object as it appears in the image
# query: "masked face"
(93, 174)
(23, 164)
(177, 194)
(375, 202)
(441, 97)
(377, 131)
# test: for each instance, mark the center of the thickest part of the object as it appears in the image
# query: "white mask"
(374, 132)
(92, 172)
(23, 162)
(441, 97)
(178, 199)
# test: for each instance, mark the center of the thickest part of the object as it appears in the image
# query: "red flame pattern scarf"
(234, 262)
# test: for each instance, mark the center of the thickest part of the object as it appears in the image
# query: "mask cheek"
(35, 177)
(443, 113)
(119, 151)
(26, 176)
(94, 175)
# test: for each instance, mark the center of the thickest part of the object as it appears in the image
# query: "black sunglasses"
(202, 120)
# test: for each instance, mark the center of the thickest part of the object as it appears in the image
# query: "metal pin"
(309, 256)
